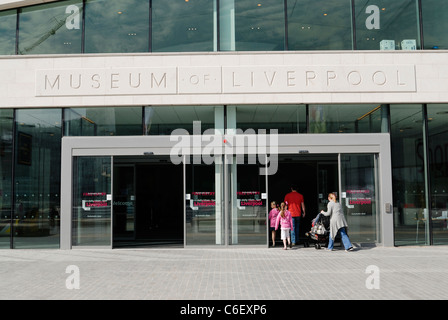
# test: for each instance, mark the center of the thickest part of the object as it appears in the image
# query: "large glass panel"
(91, 223)
(162, 120)
(6, 126)
(204, 203)
(247, 25)
(284, 118)
(116, 26)
(249, 212)
(319, 25)
(408, 175)
(435, 24)
(8, 23)
(327, 182)
(183, 26)
(119, 121)
(347, 118)
(387, 25)
(438, 166)
(124, 203)
(51, 28)
(359, 196)
(37, 179)
(148, 201)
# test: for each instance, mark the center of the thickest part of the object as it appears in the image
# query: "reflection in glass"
(116, 26)
(247, 25)
(51, 28)
(8, 23)
(204, 204)
(284, 118)
(408, 178)
(124, 203)
(347, 118)
(435, 24)
(387, 25)
(319, 25)
(119, 121)
(162, 120)
(249, 211)
(6, 125)
(91, 223)
(359, 196)
(183, 26)
(37, 178)
(438, 168)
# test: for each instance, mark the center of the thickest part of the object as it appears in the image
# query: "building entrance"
(119, 196)
(147, 202)
(314, 176)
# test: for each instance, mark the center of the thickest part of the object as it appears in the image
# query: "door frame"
(378, 143)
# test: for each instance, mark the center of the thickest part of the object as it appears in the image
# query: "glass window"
(162, 120)
(284, 118)
(347, 118)
(387, 25)
(8, 23)
(408, 178)
(120, 121)
(91, 224)
(435, 24)
(37, 178)
(183, 26)
(51, 28)
(6, 125)
(319, 25)
(116, 26)
(438, 166)
(248, 25)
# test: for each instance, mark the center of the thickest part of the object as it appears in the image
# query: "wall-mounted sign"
(358, 202)
(225, 80)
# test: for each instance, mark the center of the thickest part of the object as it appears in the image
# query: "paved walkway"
(225, 274)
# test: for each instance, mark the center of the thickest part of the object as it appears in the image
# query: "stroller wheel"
(317, 246)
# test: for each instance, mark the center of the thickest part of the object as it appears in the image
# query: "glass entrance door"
(147, 202)
(359, 192)
(248, 215)
(204, 203)
(92, 201)
(124, 203)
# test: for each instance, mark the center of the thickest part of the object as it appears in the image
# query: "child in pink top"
(285, 220)
(273, 219)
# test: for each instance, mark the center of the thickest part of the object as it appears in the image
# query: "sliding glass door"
(92, 201)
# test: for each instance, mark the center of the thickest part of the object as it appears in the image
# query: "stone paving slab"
(402, 273)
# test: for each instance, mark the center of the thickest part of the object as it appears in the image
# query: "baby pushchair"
(320, 231)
